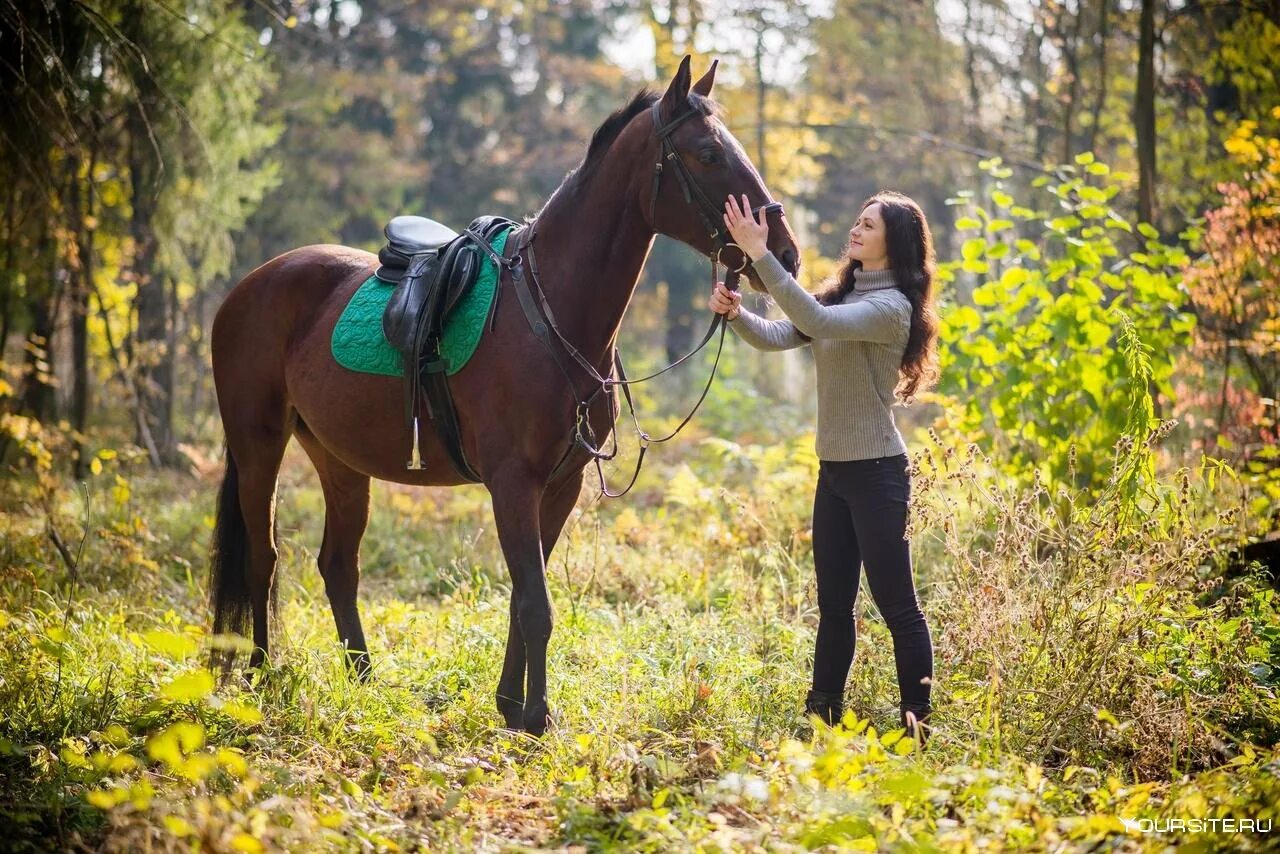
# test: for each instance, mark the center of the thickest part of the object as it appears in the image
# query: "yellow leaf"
(178, 740)
(196, 768)
(178, 826)
(233, 762)
(242, 713)
(245, 842)
(122, 762)
(95, 466)
(170, 643)
(195, 685)
(104, 799)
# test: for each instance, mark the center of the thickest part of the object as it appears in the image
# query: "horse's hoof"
(512, 712)
(360, 665)
(536, 723)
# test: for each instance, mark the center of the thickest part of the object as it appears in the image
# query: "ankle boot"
(828, 707)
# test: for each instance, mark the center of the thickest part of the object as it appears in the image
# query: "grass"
(1091, 667)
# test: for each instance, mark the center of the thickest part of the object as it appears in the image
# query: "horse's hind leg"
(346, 503)
(257, 452)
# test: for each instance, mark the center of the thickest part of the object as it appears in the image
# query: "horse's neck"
(591, 247)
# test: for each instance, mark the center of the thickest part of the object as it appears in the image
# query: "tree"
(1235, 288)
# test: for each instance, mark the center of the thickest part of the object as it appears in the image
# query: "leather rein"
(583, 436)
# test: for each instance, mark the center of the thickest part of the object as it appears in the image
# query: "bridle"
(708, 211)
(535, 310)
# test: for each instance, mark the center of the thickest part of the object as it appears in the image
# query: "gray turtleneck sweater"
(857, 350)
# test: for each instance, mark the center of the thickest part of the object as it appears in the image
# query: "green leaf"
(1147, 230)
(1084, 158)
(967, 222)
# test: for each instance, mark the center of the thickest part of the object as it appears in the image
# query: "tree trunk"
(976, 136)
(81, 213)
(152, 357)
(1071, 55)
(37, 396)
(9, 273)
(1144, 112)
(1104, 27)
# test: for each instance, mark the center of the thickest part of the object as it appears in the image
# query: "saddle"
(432, 267)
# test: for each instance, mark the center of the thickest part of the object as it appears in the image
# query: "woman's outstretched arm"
(884, 317)
(765, 334)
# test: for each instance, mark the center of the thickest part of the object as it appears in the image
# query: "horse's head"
(686, 201)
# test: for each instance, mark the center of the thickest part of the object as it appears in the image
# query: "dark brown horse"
(276, 378)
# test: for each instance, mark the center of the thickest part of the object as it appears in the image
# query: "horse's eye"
(708, 156)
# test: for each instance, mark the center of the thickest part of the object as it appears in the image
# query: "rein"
(583, 436)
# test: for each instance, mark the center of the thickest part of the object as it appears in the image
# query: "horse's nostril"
(790, 259)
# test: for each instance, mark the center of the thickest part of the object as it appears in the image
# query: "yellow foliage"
(194, 685)
(245, 842)
(171, 745)
(171, 644)
(242, 713)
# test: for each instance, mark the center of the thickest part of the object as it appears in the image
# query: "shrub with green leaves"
(1034, 355)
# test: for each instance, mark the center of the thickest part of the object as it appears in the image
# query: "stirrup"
(415, 459)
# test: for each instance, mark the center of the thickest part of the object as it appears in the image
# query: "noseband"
(712, 215)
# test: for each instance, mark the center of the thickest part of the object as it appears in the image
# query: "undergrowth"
(1092, 666)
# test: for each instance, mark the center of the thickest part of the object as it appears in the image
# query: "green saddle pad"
(359, 345)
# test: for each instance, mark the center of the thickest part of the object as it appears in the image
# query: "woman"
(873, 331)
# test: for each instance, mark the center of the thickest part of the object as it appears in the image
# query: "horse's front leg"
(557, 503)
(511, 683)
(517, 505)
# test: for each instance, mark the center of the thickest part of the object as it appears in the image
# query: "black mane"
(612, 126)
(609, 129)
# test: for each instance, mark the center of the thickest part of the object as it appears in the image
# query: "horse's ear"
(704, 84)
(678, 92)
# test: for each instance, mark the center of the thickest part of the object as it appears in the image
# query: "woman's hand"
(745, 230)
(724, 301)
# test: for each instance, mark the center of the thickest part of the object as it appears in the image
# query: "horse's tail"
(229, 566)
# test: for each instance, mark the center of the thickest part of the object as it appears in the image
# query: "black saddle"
(433, 267)
(408, 236)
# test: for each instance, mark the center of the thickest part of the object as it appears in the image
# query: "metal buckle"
(745, 259)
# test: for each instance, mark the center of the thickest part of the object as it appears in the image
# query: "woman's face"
(866, 239)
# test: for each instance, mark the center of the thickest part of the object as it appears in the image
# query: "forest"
(1095, 506)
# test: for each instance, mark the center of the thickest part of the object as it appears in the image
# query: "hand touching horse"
(276, 378)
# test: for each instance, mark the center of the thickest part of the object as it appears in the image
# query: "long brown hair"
(912, 263)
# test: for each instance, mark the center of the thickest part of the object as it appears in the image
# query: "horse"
(516, 400)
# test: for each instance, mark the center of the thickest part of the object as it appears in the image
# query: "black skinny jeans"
(860, 517)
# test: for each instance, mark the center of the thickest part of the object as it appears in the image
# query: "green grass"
(1089, 667)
